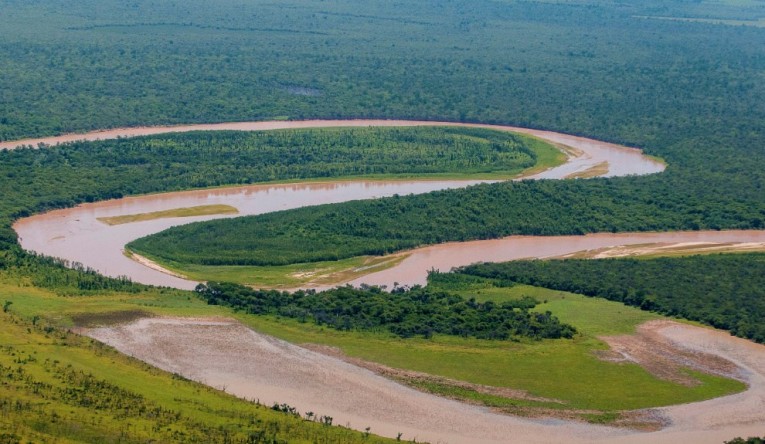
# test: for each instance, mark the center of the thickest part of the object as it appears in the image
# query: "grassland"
(201, 210)
(565, 372)
(688, 92)
(722, 290)
(61, 387)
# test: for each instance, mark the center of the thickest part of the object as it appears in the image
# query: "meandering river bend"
(254, 365)
(76, 234)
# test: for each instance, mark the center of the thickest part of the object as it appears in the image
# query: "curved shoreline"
(582, 155)
(589, 146)
(57, 228)
(226, 354)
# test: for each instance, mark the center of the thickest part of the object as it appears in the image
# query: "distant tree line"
(726, 291)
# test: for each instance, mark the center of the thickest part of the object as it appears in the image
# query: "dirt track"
(225, 354)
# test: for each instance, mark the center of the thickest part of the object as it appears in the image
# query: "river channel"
(76, 234)
(223, 346)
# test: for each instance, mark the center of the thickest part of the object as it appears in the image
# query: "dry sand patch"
(224, 353)
(664, 358)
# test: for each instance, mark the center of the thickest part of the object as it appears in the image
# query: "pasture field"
(722, 290)
(562, 377)
(60, 386)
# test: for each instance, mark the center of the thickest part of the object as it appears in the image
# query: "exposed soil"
(719, 419)
(324, 278)
(644, 420)
(444, 257)
(594, 171)
(665, 359)
(145, 261)
(667, 249)
(225, 354)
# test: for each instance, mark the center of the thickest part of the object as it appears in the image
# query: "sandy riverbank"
(225, 354)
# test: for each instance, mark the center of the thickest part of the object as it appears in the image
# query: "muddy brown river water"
(251, 365)
(76, 235)
(621, 160)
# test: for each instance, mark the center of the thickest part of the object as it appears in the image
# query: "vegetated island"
(476, 65)
(77, 172)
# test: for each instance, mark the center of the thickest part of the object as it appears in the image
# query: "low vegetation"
(690, 92)
(535, 366)
(302, 275)
(201, 210)
(58, 386)
(566, 376)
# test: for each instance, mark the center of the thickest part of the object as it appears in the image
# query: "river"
(223, 348)
(76, 234)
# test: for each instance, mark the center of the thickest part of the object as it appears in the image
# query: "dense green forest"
(685, 91)
(684, 198)
(726, 291)
(595, 67)
(36, 180)
(688, 91)
(405, 312)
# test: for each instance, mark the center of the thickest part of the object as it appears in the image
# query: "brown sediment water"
(622, 160)
(443, 257)
(76, 235)
(227, 355)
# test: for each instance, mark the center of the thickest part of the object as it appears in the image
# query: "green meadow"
(58, 386)
(565, 373)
